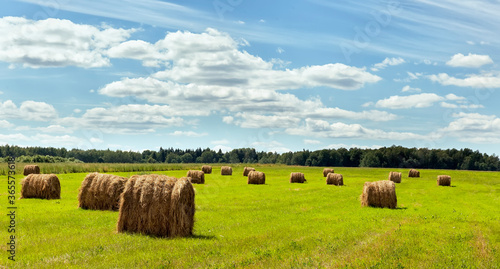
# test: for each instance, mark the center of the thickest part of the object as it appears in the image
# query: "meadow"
(276, 225)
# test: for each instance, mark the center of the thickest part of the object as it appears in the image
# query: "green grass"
(277, 225)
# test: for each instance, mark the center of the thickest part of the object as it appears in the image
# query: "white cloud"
(470, 42)
(311, 142)
(56, 43)
(412, 101)
(280, 50)
(473, 127)
(188, 134)
(411, 76)
(77, 110)
(29, 111)
(223, 148)
(407, 88)
(454, 97)
(321, 128)
(485, 80)
(387, 62)
(54, 129)
(448, 105)
(471, 60)
(5, 124)
(228, 119)
(129, 119)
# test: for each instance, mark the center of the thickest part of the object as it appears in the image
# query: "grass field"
(277, 225)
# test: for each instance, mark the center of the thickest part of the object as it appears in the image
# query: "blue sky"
(276, 76)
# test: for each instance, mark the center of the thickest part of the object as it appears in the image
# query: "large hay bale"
(334, 179)
(197, 177)
(247, 170)
(256, 177)
(207, 169)
(157, 205)
(395, 177)
(443, 180)
(226, 171)
(327, 170)
(297, 177)
(379, 194)
(413, 173)
(43, 186)
(101, 192)
(31, 169)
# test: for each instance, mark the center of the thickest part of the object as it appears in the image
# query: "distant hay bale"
(207, 169)
(379, 194)
(443, 180)
(256, 177)
(413, 173)
(327, 170)
(247, 170)
(157, 205)
(101, 192)
(297, 177)
(43, 186)
(31, 169)
(395, 177)
(226, 171)
(334, 179)
(197, 177)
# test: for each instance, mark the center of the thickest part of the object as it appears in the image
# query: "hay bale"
(379, 194)
(413, 173)
(256, 177)
(226, 171)
(327, 170)
(31, 169)
(247, 170)
(43, 186)
(334, 179)
(444, 180)
(297, 177)
(207, 169)
(157, 205)
(101, 192)
(395, 177)
(197, 177)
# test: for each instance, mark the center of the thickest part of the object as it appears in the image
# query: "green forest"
(394, 157)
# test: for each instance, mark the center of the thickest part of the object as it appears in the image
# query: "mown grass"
(278, 225)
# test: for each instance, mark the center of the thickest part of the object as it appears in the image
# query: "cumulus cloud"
(485, 80)
(411, 101)
(473, 127)
(322, 128)
(471, 60)
(188, 134)
(311, 142)
(407, 88)
(128, 119)
(56, 43)
(272, 146)
(387, 62)
(29, 111)
(337, 146)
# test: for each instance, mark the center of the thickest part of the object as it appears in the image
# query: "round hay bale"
(413, 173)
(101, 192)
(197, 177)
(31, 169)
(256, 177)
(327, 170)
(379, 194)
(334, 179)
(182, 209)
(43, 186)
(207, 169)
(395, 177)
(297, 177)
(226, 171)
(154, 204)
(443, 180)
(247, 170)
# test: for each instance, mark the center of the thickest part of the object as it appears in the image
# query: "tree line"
(394, 157)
